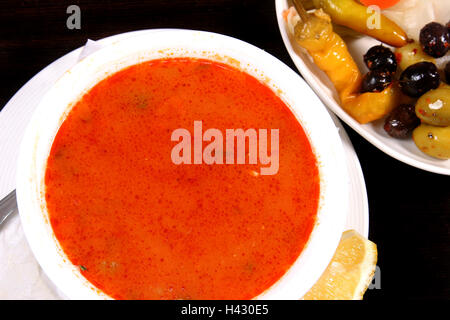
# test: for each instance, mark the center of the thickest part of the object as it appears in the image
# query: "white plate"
(13, 119)
(403, 150)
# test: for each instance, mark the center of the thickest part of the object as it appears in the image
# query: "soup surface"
(141, 227)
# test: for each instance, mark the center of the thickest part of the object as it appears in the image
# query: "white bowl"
(403, 150)
(311, 113)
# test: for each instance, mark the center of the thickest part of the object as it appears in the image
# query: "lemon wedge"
(349, 273)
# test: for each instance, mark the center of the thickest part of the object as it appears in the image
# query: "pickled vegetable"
(314, 32)
(355, 16)
(370, 106)
(432, 140)
(411, 54)
(435, 39)
(419, 78)
(375, 81)
(383, 4)
(434, 107)
(380, 58)
(401, 121)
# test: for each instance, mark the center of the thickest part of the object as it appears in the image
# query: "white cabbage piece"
(412, 15)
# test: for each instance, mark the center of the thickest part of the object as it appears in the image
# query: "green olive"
(434, 107)
(434, 141)
(411, 54)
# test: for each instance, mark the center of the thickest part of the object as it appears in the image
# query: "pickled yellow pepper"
(331, 55)
(355, 16)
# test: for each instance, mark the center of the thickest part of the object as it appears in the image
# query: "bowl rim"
(326, 144)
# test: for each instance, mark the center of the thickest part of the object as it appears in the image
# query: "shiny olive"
(411, 54)
(434, 107)
(401, 121)
(419, 78)
(435, 39)
(434, 141)
(375, 81)
(380, 58)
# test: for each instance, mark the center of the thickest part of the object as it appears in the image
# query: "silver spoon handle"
(7, 206)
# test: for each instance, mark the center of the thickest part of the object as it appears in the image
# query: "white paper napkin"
(21, 277)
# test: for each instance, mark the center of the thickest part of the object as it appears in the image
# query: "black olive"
(435, 39)
(447, 72)
(380, 58)
(419, 78)
(401, 121)
(375, 81)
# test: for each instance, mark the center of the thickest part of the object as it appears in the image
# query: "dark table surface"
(409, 208)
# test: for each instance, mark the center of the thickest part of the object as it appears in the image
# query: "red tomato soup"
(141, 227)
